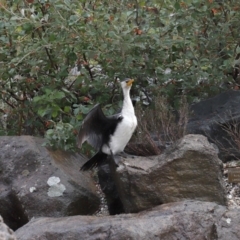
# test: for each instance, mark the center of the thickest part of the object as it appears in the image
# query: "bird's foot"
(123, 155)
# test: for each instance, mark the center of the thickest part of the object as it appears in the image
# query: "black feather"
(95, 161)
(97, 128)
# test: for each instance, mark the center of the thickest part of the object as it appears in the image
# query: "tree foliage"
(169, 47)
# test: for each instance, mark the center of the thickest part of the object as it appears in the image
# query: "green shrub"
(170, 47)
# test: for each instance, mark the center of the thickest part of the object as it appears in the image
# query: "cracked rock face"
(190, 169)
(35, 182)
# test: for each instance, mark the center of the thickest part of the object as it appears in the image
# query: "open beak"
(129, 83)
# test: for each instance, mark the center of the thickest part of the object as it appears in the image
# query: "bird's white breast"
(122, 134)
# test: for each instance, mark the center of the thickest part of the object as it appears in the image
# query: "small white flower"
(167, 71)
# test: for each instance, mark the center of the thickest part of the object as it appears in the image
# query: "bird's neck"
(127, 103)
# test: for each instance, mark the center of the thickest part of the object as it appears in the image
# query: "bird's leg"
(111, 153)
(114, 157)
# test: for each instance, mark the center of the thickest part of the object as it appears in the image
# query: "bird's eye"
(126, 81)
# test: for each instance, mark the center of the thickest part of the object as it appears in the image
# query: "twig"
(46, 49)
(137, 14)
(8, 103)
(87, 67)
(146, 94)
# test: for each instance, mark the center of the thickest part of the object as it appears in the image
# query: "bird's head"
(127, 83)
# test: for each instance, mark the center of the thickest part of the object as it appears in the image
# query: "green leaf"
(42, 112)
(177, 5)
(58, 95)
(67, 109)
(55, 112)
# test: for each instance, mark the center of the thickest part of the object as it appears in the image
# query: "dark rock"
(5, 232)
(11, 208)
(181, 220)
(190, 169)
(213, 116)
(38, 182)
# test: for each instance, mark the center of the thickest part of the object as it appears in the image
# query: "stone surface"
(38, 182)
(181, 220)
(210, 117)
(5, 232)
(229, 226)
(190, 169)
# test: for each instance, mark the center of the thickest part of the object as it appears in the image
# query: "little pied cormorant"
(108, 135)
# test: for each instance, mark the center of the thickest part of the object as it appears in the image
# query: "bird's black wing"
(96, 127)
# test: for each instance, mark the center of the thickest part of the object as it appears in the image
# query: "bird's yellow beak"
(129, 83)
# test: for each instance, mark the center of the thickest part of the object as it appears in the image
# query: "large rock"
(190, 169)
(212, 117)
(229, 225)
(181, 220)
(38, 182)
(5, 232)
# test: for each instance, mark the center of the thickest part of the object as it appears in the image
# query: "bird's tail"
(95, 161)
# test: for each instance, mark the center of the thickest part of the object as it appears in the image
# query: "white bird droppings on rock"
(56, 189)
(32, 189)
(228, 220)
(53, 180)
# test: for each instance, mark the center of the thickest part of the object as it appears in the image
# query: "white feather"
(125, 128)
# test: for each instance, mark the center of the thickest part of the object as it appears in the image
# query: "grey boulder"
(181, 220)
(36, 182)
(5, 232)
(190, 169)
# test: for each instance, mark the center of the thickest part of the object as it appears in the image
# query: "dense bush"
(57, 56)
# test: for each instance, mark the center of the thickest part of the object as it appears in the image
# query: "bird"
(108, 134)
